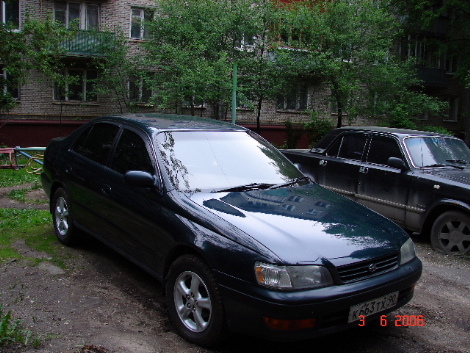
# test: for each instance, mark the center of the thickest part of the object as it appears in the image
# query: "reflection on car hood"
(306, 224)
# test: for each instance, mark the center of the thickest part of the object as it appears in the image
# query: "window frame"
(87, 87)
(4, 13)
(140, 92)
(13, 91)
(83, 16)
(145, 14)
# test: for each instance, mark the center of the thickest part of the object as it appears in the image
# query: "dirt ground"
(102, 303)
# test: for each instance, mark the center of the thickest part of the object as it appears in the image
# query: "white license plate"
(372, 306)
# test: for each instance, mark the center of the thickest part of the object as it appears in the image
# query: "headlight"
(407, 252)
(292, 277)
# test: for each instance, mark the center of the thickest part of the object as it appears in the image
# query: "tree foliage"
(37, 46)
(348, 43)
(195, 45)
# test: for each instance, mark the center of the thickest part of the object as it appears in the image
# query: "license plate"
(372, 306)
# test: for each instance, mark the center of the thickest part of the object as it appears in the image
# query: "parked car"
(240, 239)
(420, 180)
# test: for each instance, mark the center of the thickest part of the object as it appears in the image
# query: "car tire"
(450, 233)
(194, 302)
(62, 217)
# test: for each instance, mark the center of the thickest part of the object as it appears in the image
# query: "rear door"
(339, 169)
(87, 175)
(381, 187)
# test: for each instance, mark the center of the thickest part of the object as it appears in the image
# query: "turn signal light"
(290, 325)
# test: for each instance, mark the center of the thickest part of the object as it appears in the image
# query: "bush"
(294, 134)
(317, 127)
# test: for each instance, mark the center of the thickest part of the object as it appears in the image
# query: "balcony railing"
(89, 43)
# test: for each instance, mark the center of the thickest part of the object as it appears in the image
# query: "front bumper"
(328, 306)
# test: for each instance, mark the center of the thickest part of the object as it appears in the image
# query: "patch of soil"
(102, 303)
(37, 198)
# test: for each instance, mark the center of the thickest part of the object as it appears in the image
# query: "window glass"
(138, 28)
(211, 160)
(131, 154)
(382, 148)
(139, 90)
(81, 87)
(352, 146)
(437, 151)
(295, 99)
(92, 16)
(10, 12)
(96, 142)
(10, 84)
(82, 14)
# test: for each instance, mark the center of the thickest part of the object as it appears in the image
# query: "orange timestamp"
(397, 320)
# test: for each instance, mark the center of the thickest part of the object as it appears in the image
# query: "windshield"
(437, 151)
(217, 160)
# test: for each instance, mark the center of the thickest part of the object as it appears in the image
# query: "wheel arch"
(177, 252)
(55, 185)
(438, 209)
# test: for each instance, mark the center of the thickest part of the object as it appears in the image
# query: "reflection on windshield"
(209, 160)
(437, 151)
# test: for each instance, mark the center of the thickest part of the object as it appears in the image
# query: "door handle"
(323, 162)
(106, 190)
(363, 170)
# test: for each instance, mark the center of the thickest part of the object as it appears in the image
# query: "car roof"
(323, 144)
(390, 130)
(171, 122)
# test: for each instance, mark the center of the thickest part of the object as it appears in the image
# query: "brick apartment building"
(41, 108)
(43, 112)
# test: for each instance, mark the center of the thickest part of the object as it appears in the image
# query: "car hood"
(306, 224)
(450, 174)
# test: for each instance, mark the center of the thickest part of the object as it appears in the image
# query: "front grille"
(366, 269)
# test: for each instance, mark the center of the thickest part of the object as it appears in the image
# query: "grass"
(34, 228)
(13, 332)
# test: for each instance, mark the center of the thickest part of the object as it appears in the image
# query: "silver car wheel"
(451, 233)
(192, 301)
(61, 216)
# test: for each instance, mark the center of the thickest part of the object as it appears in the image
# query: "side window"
(352, 146)
(382, 148)
(96, 142)
(131, 154)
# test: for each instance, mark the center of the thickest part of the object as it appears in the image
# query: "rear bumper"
(328, 306)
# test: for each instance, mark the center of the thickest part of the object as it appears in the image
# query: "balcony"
(89, 44)
(433, 77)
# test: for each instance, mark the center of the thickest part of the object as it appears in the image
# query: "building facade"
(41, 103)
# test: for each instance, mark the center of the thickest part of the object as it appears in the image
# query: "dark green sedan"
(240, 238)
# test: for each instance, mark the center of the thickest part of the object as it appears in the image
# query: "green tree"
(195, 45)
(37, 46)
(347, 43)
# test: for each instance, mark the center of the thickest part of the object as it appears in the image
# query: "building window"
(81, 86)
(9, 86)
(139, 29)
(139, 90)
(84, 15)
(10, 13)
(296, 99)
(453, 109)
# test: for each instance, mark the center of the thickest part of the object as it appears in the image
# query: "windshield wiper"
(444, 165)
(292, 182)
(247, 187)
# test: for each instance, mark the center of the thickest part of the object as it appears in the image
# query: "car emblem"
(372, 267)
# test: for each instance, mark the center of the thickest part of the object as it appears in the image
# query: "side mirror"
(139, 179)
(298, 166)
(397, 163)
